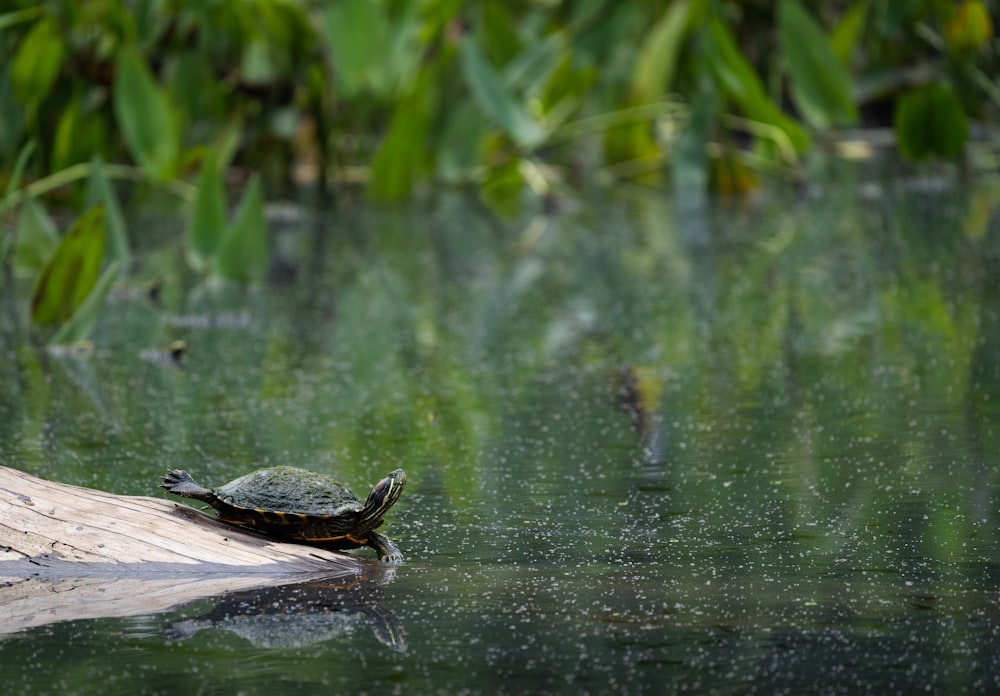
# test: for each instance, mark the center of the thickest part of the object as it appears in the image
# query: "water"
(651, 448)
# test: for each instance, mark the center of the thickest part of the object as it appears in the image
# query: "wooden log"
(68, 552)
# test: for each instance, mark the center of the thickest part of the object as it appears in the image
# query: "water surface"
(717, 448)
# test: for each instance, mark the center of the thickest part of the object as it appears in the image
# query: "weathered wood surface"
(68, 552)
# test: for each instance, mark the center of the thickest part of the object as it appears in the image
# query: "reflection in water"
(292, 616)
(790, 488)
(637, 392)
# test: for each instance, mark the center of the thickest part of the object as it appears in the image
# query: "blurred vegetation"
(500, 94)
(802, 351)
(191, 97)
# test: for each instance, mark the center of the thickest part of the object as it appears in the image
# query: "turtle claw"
(387, 551)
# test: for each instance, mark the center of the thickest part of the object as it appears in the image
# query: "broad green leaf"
(737, 80)
(847, 32)
(208, 216)
(357, 33)
(242, 251)
(145, 116)
(491, 94)
(37, 236)
(37, 62)
(657, 57)
(930, 122)
(821, 86)
(403, 52)
(402, 152)
(70, 273)
(731, 70)
(101, 192)
(81, 323)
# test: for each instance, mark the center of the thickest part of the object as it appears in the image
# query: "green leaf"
(402, 152)
(37, 236)
(243, 249)
(70, 273)
(208, 216)
(930, 122)
(531, 69)
(81, 323)
(11, 19)
(737, 80)
(820, 84)
(657, 57)
(37, 62)
(78, 136)
(357, 34)
(145, 116)
(491, 94)
(100, 191)
(65, 141)
(847, 32)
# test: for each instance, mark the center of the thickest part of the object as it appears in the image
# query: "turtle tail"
(180, 483)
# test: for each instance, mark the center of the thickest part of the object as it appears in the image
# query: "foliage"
(821, 85)
(443, 90)
(143, 110)
(71, 271)
(506, 97)
(930, 121)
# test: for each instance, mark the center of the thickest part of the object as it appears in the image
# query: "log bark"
(68, 552)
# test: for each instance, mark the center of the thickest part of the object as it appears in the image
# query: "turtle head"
(383, 496)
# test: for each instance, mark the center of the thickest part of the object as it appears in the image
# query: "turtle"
(300, 505)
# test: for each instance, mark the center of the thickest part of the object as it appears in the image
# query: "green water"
(651, 447)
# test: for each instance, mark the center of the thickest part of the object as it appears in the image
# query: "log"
(68, 552)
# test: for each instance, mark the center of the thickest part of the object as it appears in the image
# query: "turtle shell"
(290, 491)
(300, 505)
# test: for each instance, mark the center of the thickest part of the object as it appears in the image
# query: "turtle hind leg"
(386, 549)
(180, 483)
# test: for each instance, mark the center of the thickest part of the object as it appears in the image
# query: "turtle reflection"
(292, 616)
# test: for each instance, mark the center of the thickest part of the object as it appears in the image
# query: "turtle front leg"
(386, 549)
